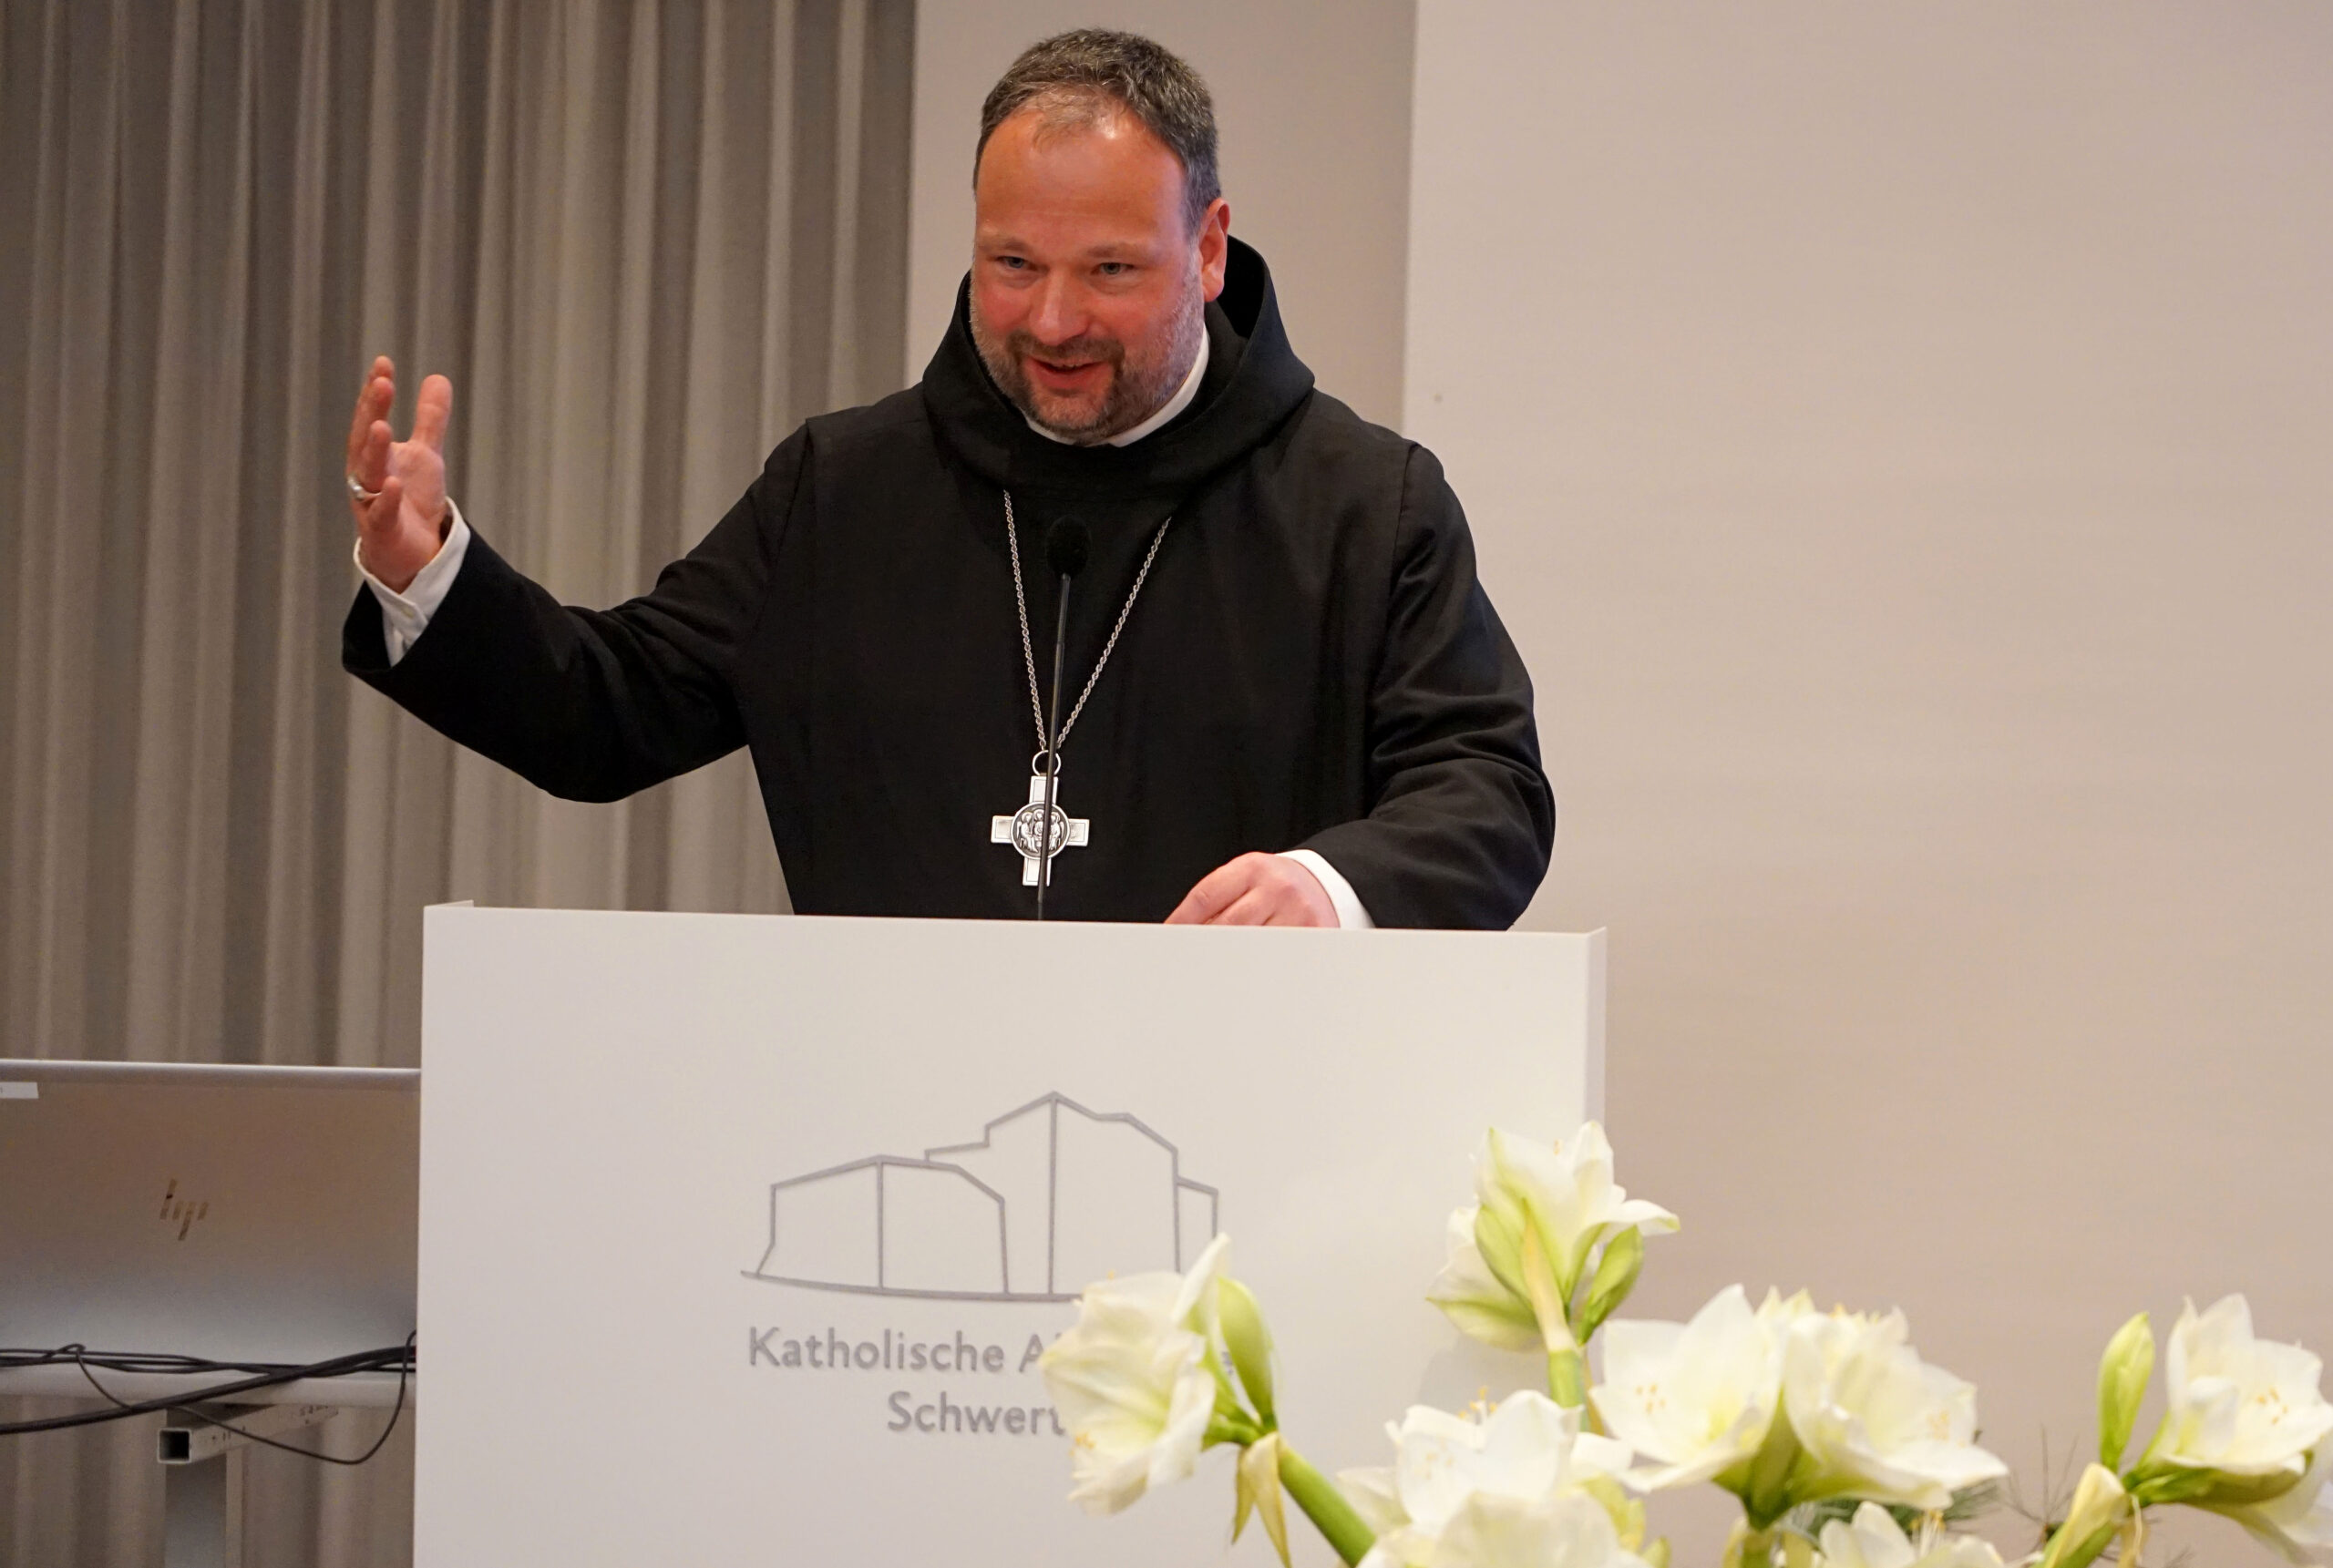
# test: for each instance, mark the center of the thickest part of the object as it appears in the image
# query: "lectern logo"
(1051, 1197)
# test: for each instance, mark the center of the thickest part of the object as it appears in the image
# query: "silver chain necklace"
(1025, 829)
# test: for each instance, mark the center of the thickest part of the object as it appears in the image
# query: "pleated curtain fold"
(644, 239)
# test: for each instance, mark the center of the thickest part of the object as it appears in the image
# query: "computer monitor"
(239, 1214)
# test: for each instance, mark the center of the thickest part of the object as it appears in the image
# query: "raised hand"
(399, 531)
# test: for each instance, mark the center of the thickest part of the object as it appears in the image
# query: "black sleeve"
(1461, 817)
(590, 705)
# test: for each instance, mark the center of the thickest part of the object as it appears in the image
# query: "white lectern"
(739, 1234)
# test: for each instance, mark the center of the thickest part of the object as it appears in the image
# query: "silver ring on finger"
(357, 489)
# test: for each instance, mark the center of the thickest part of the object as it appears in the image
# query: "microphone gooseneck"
(1067, 545)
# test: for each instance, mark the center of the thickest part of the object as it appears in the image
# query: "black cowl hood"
(1253, 384)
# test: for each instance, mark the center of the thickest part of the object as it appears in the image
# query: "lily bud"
(1546, 1297)
(2122, 1375)
(1475, 1298)
(1250, 1343)
(1616, 1273)
(2100, 1510)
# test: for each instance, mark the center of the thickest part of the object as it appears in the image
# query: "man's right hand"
(400, 530)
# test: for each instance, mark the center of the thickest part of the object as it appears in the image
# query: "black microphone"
(1067, 544)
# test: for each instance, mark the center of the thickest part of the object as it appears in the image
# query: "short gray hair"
(1079, 76)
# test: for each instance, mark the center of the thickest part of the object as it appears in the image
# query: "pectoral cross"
(1021, 830)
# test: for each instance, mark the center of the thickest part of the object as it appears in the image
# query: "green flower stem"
(1753, 1549)
(2154, 1484)
(1231, 1428)
(1566, 1379)
(1325, 1506)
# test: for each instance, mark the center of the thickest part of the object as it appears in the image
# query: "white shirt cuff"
(406, 616)
(1351, 915)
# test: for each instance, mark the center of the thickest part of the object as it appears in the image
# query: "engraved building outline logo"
(1050, 1198)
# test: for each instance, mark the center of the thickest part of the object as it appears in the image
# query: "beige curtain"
(644, 239)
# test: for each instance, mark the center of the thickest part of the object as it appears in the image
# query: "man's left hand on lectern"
(398, 532)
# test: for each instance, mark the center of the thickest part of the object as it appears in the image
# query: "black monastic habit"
(1311, 662)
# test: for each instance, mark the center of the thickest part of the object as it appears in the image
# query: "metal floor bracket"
(202, 1475)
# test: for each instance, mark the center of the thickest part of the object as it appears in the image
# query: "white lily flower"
(1876, 1421)
(1699, 1397)
(1566, 1196)
(1132, 1381)
(2238, 1405)
(1374, 1496)
(1501, 1493)
(1874, 1539)
(1567, 1530)
(2298, 1522)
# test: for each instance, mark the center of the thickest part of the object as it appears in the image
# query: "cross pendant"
(1021, 830)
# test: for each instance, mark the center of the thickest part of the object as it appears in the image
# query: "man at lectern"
(1285, 699)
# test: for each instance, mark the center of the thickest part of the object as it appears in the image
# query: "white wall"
(1898, 439)
(1901, 439)
(1312, 101)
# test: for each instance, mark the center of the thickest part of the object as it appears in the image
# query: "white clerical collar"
(1174, 405)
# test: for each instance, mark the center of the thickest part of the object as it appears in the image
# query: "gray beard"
(1137, 390)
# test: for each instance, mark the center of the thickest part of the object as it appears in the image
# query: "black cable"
(156, 1361)
(404, 1371)
(395, 1356)
(135, 1362)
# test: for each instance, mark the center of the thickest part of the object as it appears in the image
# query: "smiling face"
(1088, 288)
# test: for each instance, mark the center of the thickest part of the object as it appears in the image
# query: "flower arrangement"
(1843, 1448)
